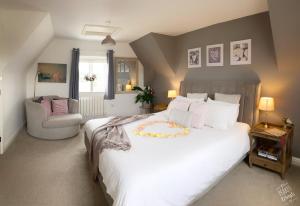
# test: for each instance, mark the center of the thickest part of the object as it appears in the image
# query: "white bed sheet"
(169, 172)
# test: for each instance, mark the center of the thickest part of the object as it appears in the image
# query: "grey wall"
(285, 23)
(282, 84)
(157, 53)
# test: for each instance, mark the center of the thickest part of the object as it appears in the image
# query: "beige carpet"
(35, 172)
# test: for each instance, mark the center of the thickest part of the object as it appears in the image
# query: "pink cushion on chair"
(47, 107)
(60, 107)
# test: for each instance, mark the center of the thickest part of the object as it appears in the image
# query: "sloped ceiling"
(15, 27)
(167, 45)
(157, 53)
(285, 24)
(23, 35)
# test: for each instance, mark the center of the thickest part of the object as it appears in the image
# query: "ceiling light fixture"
(108, 41)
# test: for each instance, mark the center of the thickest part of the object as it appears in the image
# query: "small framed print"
(240, 52)
(215, 55)
(194, 58)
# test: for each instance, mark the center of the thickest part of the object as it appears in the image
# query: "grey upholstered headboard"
(249, 91)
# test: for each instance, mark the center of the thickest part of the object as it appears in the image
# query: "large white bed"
(172, 171)
(176, 171)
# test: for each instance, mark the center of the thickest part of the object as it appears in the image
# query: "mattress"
(169, 171)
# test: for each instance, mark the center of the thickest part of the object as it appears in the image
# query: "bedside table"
(160, 107)
(260, 138)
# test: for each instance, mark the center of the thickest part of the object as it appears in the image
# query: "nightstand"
(160, 107)
(261, 142)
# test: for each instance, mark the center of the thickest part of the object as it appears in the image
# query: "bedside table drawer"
(275, 166)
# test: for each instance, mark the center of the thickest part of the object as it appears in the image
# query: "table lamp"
(128, 87)
(172, 94)
(266, 104)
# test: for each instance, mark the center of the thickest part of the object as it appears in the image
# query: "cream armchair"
(52, 127)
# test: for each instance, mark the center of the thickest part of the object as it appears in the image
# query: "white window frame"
(90, 60)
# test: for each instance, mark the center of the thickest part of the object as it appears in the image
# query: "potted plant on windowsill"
(90, 78)
(145, 96)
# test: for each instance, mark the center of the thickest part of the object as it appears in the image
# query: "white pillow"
(182, 103)
(191, 100)
(179, 103)
(199, 111)
(181, 117)
(217, 109)
(235, 108)
(197, 95)
(230, 98)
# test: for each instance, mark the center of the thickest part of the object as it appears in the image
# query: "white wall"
(60, 51)
(22, 48)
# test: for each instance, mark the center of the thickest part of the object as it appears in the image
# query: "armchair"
(52, 127)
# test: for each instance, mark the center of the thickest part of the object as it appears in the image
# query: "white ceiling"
(139, 17)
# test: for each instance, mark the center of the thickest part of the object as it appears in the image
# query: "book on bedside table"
(269, 152)
(275, 131)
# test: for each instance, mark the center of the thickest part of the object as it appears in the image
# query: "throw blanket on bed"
(110, 136)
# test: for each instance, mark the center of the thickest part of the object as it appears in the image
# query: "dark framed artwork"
(214, 55)
(194, 58)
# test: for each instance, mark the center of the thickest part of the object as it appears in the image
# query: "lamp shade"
(266, 104)
(108, 41)
(128, 87)
(172, 93)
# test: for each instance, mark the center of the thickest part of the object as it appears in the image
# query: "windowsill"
(131, 92)
(91, 92)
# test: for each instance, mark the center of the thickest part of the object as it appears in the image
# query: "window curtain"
(74, 78)
(110, 89)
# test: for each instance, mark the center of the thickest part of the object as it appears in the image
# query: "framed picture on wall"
(214, 55)
(240, 52)
(194, 58)
(52, 73)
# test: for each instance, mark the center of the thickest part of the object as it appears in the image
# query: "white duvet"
(169, 172)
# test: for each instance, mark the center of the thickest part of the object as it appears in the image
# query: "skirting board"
(296, 161)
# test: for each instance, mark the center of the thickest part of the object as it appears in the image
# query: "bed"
(177, 171)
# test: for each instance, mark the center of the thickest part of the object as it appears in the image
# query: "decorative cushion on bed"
(180, 117)
(182, 103)
(199, 111)
(47, 106)
(197, 96)
(221, 115)
(230, 98)
(179, 103)
(60, 106)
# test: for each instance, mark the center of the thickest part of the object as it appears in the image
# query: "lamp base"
(266, 125)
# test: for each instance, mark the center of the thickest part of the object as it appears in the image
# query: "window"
(93, 73)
